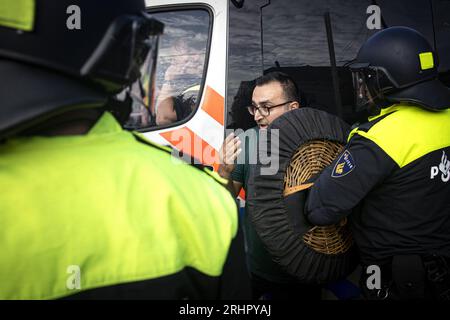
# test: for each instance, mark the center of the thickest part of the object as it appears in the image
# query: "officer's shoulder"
(145, 141)
(187, 163)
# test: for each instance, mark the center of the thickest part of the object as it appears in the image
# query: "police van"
(212, 50)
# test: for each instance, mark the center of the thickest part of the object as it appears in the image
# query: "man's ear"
(294, 105)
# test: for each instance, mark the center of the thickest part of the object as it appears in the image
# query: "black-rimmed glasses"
(264, 110)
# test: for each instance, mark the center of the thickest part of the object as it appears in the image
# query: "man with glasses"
(274, 94)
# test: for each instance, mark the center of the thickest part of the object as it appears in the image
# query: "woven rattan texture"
(310, 159)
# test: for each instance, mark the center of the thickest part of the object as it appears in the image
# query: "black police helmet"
(67, 54)
(396, 65)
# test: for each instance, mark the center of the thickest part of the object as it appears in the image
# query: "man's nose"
(257, 115)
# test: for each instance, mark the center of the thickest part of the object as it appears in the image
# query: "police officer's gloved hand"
(295, 200)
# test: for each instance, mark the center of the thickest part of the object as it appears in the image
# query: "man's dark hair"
(290, 89)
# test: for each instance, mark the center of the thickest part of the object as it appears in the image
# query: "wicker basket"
(310, 159)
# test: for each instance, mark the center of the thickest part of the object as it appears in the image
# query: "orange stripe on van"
(242, 193)
(185, 140)
(214, 105)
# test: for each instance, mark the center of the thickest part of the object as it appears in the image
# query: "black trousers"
(409, 277)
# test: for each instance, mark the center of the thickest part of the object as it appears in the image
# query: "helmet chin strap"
(120, 108)
(121, 105)
(373, 109)
(375, 103)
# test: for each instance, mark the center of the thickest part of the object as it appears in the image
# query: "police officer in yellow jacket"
(88, 210)
(392, 179)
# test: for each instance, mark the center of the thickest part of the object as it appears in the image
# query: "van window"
(179, 71)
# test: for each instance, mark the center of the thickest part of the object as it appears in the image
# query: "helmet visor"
(370, 85)
(363, 97)
(142, 91)
(118, 58)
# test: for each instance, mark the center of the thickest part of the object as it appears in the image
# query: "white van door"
(187, 110)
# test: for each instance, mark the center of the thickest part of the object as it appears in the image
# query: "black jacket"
(393, 177)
